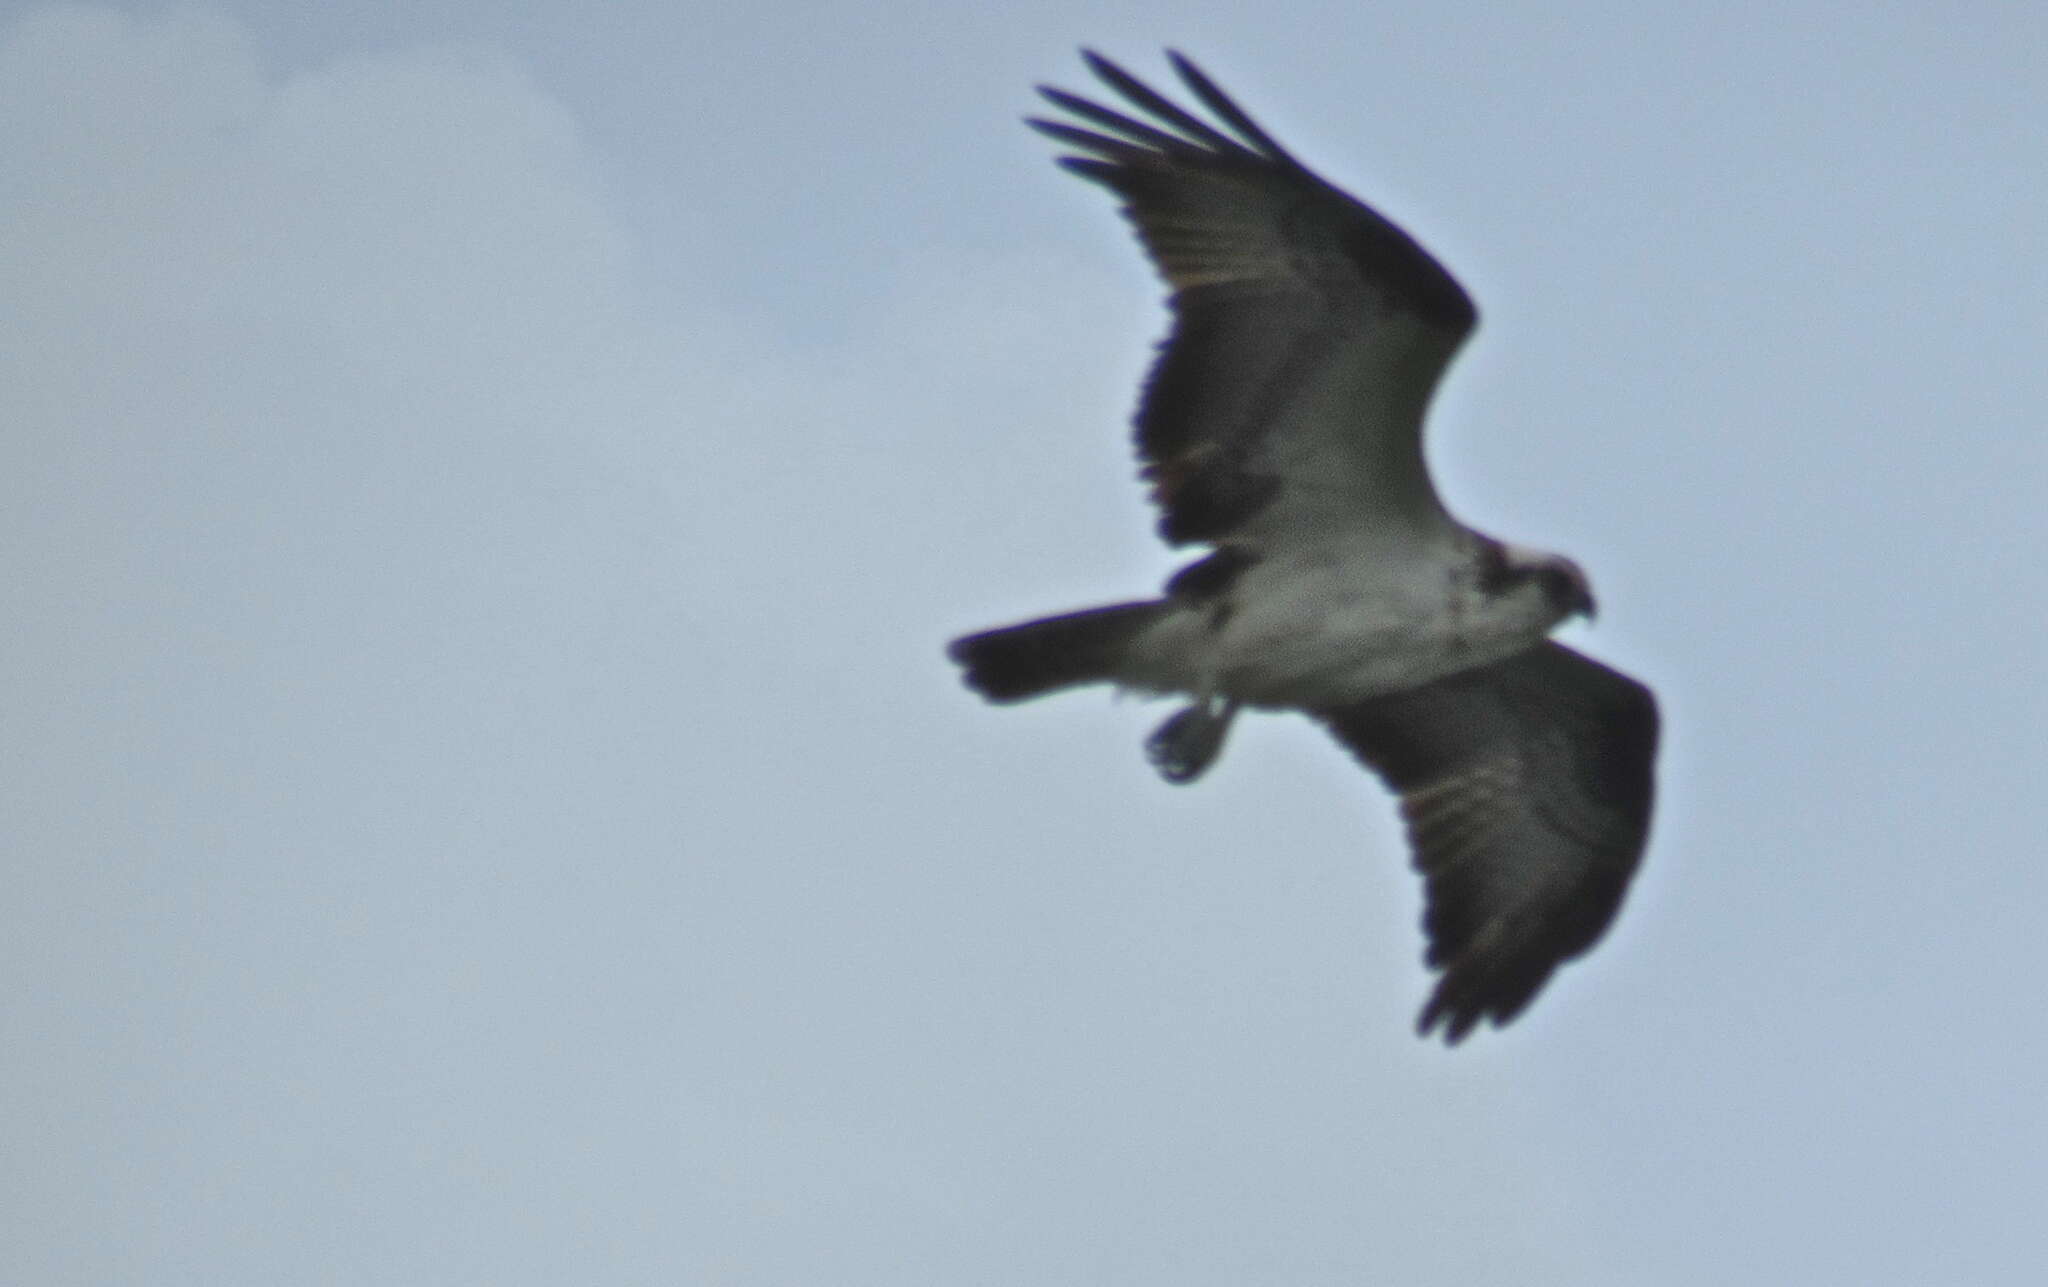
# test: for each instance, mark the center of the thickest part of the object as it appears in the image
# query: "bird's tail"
(1029, 660)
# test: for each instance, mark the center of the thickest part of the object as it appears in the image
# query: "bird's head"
(1561, 582)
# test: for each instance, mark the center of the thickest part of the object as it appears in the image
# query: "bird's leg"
(1185, 746)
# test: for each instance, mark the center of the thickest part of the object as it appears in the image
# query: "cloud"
(347, 621)
(427, 641)
(494, 785)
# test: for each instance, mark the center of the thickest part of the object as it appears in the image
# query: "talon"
(1184, 747)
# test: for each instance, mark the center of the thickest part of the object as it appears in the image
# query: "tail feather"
(1019, 662)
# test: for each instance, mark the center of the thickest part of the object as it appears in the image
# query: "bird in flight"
(1281, 428)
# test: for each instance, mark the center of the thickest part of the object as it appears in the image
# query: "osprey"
(1282, 428)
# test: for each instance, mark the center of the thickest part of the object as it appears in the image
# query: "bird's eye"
(1567, 590)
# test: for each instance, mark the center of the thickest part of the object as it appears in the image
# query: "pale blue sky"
(482, 498)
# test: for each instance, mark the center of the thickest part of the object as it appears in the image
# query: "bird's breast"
(1320, 632)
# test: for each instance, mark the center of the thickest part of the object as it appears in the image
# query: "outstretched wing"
(1309, 331)
(1526, 786)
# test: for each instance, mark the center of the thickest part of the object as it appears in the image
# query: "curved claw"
(1184, 747)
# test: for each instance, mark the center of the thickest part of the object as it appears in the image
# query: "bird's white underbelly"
(1324, 633)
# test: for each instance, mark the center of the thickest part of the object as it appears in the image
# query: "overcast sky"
(483, 495)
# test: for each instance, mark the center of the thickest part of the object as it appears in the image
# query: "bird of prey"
(1282, 428)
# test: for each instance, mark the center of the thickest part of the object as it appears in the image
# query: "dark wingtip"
(1089, 168)
(1212, 96)
(1438, 1014)
(1107, 70)
(1460, 1004)
(1059, 131)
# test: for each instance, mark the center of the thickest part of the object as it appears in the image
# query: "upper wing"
(1526, 786)
(1309, 331)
